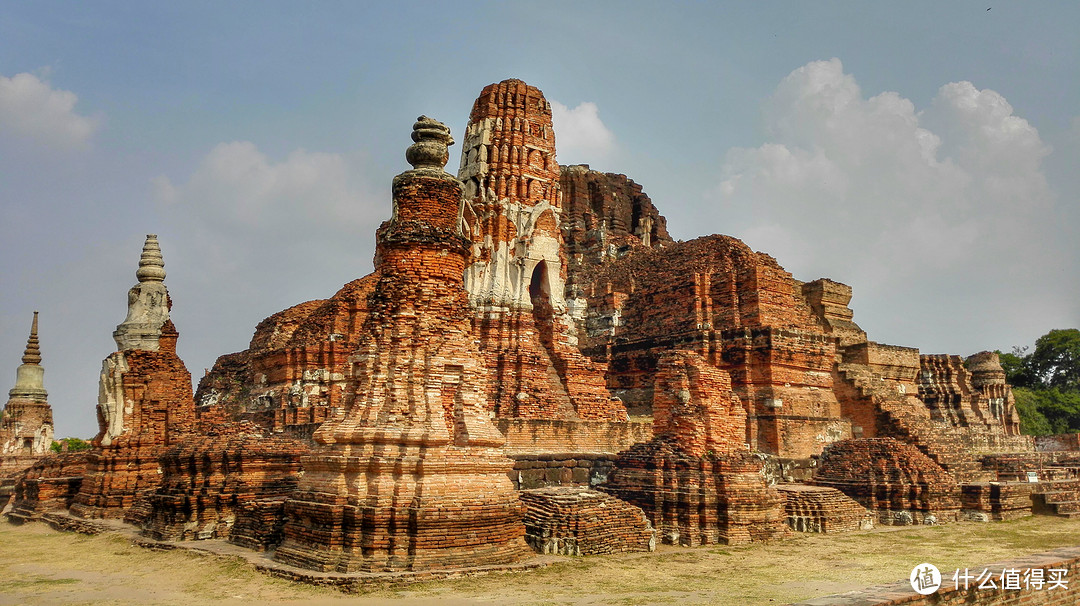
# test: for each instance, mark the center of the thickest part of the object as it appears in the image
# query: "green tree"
(73, 445)
(1056, 359)
(1046, 382)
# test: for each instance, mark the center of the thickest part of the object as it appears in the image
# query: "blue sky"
(923, 153)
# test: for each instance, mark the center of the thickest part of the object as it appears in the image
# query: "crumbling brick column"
(411, 476)
(696, 480)
(144, 401)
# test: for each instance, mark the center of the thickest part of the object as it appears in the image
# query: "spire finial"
(151, 265)
(431, 141)
(32, 354)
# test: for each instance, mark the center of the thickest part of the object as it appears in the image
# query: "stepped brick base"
(894, 480)
(579, 521)
(116, 477)
(821, 509)
(451, 508)
(207, 480)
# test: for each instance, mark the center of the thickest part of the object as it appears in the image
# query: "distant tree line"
(1046, 383)
(73, 445)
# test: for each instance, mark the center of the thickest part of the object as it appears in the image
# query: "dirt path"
(42, 566)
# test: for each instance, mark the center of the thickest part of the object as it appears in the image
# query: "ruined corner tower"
(144, 399)
(516, 275)
(26, 429)
(412, 476)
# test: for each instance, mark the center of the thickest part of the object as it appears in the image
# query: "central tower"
(517, 268)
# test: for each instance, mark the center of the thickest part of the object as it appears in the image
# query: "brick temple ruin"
(534, 362)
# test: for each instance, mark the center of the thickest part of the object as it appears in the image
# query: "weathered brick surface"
(411, 476)
(580, 521)
(1058, 442)
(50, 484)
(293, 374)
(895, 481)
(208, 480)
(145, 402)
(986, 501)
(698, 500)
(822, 509)
(534, 436)
(741, 312)
(566, 469)
(695, 480)
(517, 268)
(605, 215)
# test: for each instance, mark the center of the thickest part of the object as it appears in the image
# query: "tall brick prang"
(144, 399)
(516, 275)
(411, 476)
(26, 428)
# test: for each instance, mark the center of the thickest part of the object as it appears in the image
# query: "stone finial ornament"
(148, 303)
(432, 138)
(151, 264)
(32, 354)
(30, 376)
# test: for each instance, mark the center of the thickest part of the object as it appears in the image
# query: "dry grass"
(40, 566)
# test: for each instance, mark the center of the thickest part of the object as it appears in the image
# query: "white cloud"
(243, 190)
(580, 134)
(894, 201)
(31, 110)
(246, 236)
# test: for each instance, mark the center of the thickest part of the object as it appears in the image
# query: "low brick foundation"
(579, 521)
(820, 509)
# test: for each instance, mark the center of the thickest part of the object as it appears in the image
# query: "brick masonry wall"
(293, 372)
(208, 480)
(536, 436)
(411, 475)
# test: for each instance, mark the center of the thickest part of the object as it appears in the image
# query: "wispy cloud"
(34, 112)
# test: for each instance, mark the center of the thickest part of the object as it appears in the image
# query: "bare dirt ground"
(42, 566)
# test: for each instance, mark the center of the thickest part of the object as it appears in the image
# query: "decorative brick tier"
(411, 476)
(822, 509)
(50, 484)
(895, 481)
(580, 521)
(208, 480)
